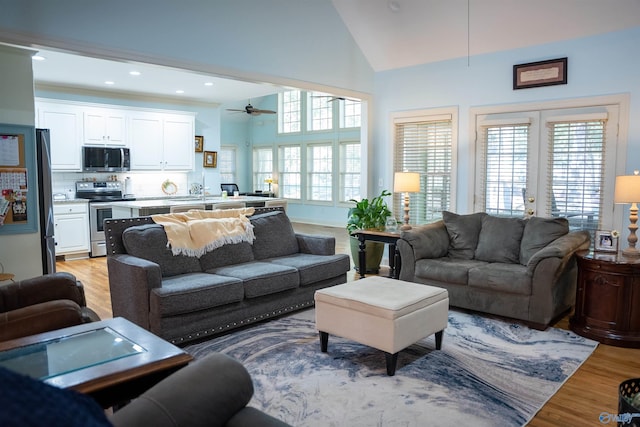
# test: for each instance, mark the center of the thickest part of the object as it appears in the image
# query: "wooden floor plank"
(580, 401)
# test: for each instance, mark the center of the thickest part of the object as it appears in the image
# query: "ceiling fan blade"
(256, 110)
(233, 109)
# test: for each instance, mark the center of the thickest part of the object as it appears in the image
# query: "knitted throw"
(197, 232)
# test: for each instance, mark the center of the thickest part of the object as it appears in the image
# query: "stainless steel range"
(100, 194)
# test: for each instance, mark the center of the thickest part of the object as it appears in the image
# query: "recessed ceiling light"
(38, 58)
(179, 91)
(134, 73)
(109, 82)
(208, 84)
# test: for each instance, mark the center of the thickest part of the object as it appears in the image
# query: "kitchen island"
(135, 208)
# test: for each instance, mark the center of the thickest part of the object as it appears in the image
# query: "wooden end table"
(378, 236)
(112, 360)
(608, 299)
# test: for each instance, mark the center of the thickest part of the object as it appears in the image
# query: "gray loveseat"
(518, 268)
(181, 298)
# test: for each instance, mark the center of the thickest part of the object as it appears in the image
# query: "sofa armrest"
(38, 318)
(421, 241)
(207, 392)
(316, 244)
(49, 287)
(130, 281)
(563, 248)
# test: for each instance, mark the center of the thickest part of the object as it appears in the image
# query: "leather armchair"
(42, 304)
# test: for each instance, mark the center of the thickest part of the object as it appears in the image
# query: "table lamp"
(269, 181)
(628, 191)
(406, 182)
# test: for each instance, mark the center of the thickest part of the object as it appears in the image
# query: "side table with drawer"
(608, 299)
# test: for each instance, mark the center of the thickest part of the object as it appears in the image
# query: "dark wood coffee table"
(378, 236)
(111, 360)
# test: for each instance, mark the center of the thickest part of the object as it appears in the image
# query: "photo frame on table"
(606, 241)
(199, 144)
(541, 73)
(210, 159)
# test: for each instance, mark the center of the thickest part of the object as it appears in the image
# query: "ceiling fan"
(251, 110)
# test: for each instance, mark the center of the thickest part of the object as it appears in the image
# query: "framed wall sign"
(542, 73)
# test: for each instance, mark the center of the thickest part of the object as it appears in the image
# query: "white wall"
(19, 253)
(599, 65)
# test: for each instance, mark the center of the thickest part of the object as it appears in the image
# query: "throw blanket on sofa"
(197, 232)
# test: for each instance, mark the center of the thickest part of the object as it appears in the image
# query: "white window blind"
(320, 172)
(227, 164)
(290, 171)
(576, 182)
(425, 146)
(262, 167)
(503, 164)
(349, 171)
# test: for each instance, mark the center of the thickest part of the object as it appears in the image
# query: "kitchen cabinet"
(66, 124)
(104, 126)
(71, 229)
(160, 141)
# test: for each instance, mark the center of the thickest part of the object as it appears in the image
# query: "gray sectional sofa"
(518, 268)
(181, 298)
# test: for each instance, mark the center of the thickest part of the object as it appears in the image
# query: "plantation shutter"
(577, 165)
(425, 146)
(503, 167)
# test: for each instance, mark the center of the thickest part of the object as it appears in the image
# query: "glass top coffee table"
(112, 360)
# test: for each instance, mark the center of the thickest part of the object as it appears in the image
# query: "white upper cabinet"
(161, 141)
(66, 125)
(104, 126)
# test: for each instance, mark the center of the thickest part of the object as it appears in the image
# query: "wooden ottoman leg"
(324, 341)
(392, 360)
(439, 336)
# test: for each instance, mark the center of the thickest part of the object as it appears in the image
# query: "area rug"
(488, 373)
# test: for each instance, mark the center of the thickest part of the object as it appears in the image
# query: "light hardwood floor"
(592, 390)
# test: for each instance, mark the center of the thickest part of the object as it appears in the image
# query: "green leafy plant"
(369, 214)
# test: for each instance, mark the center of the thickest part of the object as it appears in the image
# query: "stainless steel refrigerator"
(45, 201)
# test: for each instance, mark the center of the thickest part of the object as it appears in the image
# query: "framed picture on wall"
(199, 143)
(210, 159)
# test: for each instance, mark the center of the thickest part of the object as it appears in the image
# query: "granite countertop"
(67, 201)
(166, 202)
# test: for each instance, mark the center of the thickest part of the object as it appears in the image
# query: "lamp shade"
(406, 182)
(627, 189)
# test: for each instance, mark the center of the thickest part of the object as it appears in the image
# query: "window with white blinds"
(320, 172)
(289, 112)
(227, 163)
(349, 171)
(425, 145)
(319, 111)
(290, 171)
(503, 164)
(262, 167)
(576, 181)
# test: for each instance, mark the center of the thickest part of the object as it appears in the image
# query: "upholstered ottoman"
(383, 313)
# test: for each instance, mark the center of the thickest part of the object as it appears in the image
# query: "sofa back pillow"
(226, 255)
(538, 233)
(274, 235)
(149, 242)
(463, 233)
(499, 239)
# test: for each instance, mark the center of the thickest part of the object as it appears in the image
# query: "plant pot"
(373, 251)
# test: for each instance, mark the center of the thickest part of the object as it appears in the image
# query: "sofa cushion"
(500, 239)
(315, 268)
(261, 278)
(192, 292)
(463, 233)
(227, 254)
(149, 242)
(274, 235)
(501, 277)
(538, 233)
(449, 270)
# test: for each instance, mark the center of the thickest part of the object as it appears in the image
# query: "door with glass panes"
(548, 163)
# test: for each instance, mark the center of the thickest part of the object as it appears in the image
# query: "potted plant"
(368, 215)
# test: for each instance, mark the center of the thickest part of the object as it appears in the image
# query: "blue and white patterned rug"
(488, 373)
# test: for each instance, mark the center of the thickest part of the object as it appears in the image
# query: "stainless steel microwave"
(105, 159)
